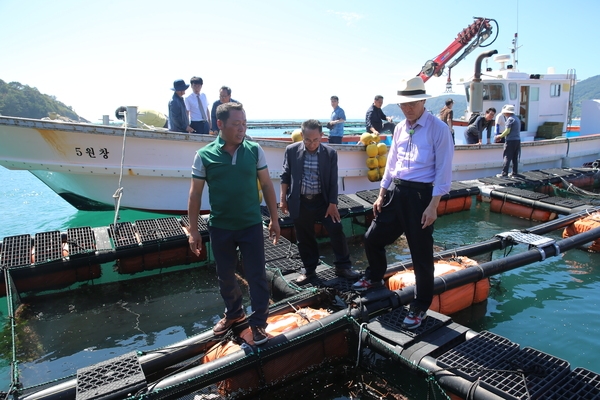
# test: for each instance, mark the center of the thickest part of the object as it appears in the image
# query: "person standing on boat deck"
(501, 123)
(230, 166)
(512, 146)
(224, 97)
(336, 124)
(178, 115)
(197, 107)
(447, 115)
(375, 117)
(474, 132)
(309, 193)
(418, 172)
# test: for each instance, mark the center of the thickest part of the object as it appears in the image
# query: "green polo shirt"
(232, 185)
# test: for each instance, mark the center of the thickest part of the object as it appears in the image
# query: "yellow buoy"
(297, 135)
(373, 175)
(372, 150)
(366, 138)
(381, 160)
(372, 162)
(382, 148)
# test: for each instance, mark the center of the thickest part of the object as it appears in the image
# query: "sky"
(282, 59)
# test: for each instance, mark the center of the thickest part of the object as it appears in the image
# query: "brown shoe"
(259, 335)
(225, 324)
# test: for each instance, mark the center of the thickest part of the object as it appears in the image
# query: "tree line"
(18, 100)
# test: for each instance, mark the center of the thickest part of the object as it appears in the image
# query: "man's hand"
(377, 205)
(429, 216)
(274, 230)
(284, 206)
(195, 241)
(189, 129)
(333, 212)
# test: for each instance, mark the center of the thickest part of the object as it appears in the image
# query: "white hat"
(412, 90)
(508, 108)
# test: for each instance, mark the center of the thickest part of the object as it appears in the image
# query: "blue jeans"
(250, 242)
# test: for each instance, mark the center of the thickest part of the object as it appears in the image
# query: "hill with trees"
(587, 89)
(434, 105)
(18, 100)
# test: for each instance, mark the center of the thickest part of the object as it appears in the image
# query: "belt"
(411, 184)
(310, 196)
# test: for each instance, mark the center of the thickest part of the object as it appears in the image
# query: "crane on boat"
(468, 39)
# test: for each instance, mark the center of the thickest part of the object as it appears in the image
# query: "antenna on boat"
(514, 52)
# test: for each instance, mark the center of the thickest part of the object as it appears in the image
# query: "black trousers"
(310, 212)
(512, 152)
(200, 127)
(402, 215)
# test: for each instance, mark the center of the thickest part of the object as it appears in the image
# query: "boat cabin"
(542, 101)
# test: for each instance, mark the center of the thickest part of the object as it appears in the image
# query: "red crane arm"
(480, 30)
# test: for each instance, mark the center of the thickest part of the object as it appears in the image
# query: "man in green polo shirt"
(230, 165)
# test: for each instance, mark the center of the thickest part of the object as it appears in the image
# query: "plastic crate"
(580, 384)
(526, 374)
(482, 352)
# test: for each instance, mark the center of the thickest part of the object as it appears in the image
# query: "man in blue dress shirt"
(336, 125)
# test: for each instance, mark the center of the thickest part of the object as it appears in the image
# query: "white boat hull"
(82, 162)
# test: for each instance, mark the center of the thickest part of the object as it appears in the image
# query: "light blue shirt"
(338, 129)
(425, 156)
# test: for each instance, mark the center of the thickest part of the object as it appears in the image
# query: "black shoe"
(259, 335)
(346, 273)
(305, 278)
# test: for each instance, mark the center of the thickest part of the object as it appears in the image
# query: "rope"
(362, 326)
(119, 192)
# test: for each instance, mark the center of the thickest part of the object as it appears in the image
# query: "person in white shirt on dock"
(197, 107)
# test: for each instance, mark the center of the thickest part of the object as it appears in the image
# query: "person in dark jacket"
(309, 192)
(178, 115)
(375, 117)
(474, 131)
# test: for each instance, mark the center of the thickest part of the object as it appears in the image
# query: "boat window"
(512, 90)
(555, 90)
(534, 94)
(493, 91)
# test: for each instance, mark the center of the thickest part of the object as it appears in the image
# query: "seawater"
(552, 305)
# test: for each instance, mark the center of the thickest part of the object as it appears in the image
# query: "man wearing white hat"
(418, 172)
(512, 146)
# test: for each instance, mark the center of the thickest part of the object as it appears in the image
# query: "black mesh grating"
(580, 384)
(347, 203)
(563, 202)
(16, 251)
(526, 194)
(170, 228)
(527, 373)
(480, 352)
(368, 195)
(390, 327)
(155, 230)
(113, 378)
(123, 236)
(202, 224)
(285, 265)
(81, 241)
(48, 247)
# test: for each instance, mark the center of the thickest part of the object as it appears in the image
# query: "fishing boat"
(100, 167)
